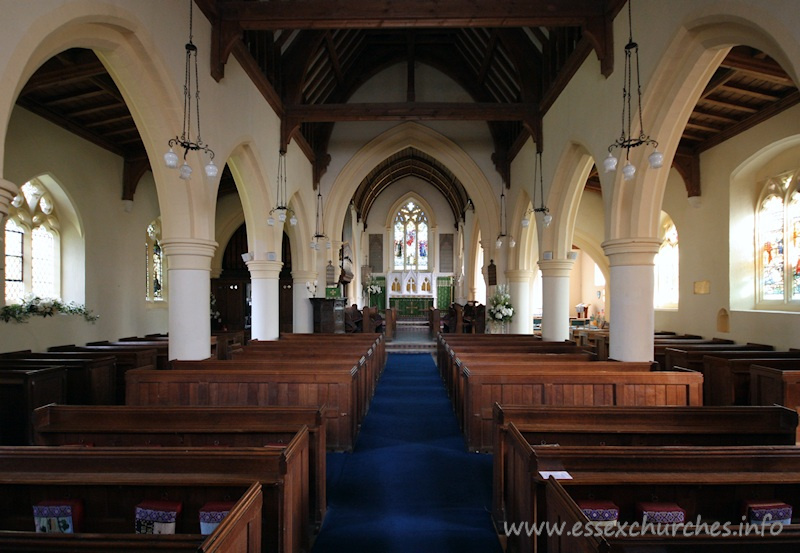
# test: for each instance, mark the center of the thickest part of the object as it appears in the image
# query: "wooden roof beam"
(411, 111)
(358, 14)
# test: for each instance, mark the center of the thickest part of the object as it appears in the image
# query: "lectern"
(328, 315)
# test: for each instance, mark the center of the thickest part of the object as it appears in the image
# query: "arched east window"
(410, 238)
(32, 245)
(778, 242)
(155, 288)
(667, 267)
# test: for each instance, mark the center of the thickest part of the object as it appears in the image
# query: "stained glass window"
(43, 263)
(411, 238)
(14, 286)
(770, 241)
(794, 244)
(778, 240)
(154, 263)
(667, 269)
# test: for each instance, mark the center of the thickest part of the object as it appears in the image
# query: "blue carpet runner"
(409, 485)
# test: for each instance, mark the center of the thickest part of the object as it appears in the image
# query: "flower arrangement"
(43, 307)
(370, 287)
(500, 308)
(215, 314)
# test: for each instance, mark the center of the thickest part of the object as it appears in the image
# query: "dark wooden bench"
(682, 356)
(239, 531)
(623, 426)
(337, 391)
(90, 380)
(358, 340)
(776, 384)
(161, 347)
(131, 426)
(204, 474)
(126, 359)
(661, 344)
(709, 483)
(23, 389)
(579, 384)
(726, 374)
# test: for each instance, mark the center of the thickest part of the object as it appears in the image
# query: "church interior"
(416, 276)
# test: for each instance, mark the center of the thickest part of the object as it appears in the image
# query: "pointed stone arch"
(154, 99)
(426, 140)
(687, 65)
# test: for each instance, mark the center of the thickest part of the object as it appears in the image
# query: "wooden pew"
(661, 344)
(130, 426)
(601, 341)
(282, 472)
(683, 356)
(23, 389)
(390, 328)
(228, 343)
(434, 322)
(579, 384)
(359, 340)
(126, 359)
(239, 531)
(776, 385)
(337, 391)
(594, 427)
(727, 374)
(90, 380)
(161, 347)
(710, 483)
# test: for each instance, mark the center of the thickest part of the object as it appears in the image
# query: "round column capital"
(264, 269)
(189, 253)
(556, 267)
(631, 251)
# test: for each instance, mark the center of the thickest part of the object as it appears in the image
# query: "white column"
(631, 298)
(303, 311)
(555, 298)
(265, 294)
(519, 286)
(189, 266)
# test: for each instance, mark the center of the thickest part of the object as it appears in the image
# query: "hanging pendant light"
(281, 210)
(503, 227)
(626, 140)
(319, 233)
(185, 140)
(538, 181)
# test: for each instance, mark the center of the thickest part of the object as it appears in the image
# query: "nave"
(409, 484)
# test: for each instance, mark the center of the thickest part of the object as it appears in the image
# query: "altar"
(411, 293)
(411, 306)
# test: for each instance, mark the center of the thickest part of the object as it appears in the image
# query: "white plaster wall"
(114, 263)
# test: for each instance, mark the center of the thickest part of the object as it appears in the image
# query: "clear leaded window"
(411, 238)
(778, 241)
(14, 237)
(32, 246)
(667, 269)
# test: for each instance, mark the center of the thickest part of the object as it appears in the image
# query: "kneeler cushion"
(663, 513)
(157, 517)
(59, 516)
(599, 511)
(212, 513)
(760, 511)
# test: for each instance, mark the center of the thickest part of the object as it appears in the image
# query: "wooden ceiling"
(512, 57)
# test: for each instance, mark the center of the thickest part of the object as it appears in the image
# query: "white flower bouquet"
(500, 308)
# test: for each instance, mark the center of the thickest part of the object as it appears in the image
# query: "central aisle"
(409, 485)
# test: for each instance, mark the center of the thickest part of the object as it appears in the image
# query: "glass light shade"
(499, 243)
(327, 245)
(293, 220)
(211, 169)
(526, 222)
(313, 244)
(282, 216)
(656, 159)
(171, 159)
(186, 171)
(547, 220)
(628, 171)
(271, 221)
(610, 163)
(512, 242)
